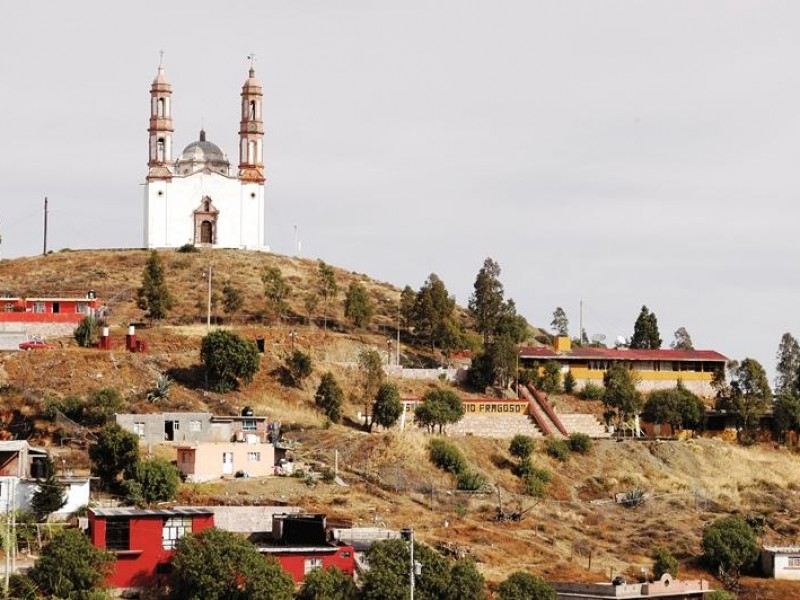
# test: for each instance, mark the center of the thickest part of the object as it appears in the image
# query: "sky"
(618, 153)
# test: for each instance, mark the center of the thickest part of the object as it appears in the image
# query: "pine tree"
(154, 296)
(276, 290)
(788, 364)
(329, 397)
(326, 280)
(486, 302)
(645, 331)
(357, 305)
(50, 496)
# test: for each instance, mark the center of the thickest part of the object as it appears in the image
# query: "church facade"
(197, 198)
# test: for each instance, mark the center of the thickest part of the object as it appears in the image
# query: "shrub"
(580, 443)
(535, 487)
(521, 446)
(524, 586)
(470, 480)
(86, 332)
(446, 456)
(730, 544)
(664, 562)
(329, 397)
(299, 366)
(591, 391)
(569, 382)
(557, 448)
(188, 249)
(229, 358)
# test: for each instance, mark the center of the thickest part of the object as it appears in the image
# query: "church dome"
(202, 154)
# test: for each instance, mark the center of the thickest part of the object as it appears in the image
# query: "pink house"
(205, 461)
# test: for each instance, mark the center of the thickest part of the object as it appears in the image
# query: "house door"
(56, 307)
(227, 463)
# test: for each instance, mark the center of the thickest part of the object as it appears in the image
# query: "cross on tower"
(160, 58)
(252, 58)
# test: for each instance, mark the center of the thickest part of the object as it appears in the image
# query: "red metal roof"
(546, 352)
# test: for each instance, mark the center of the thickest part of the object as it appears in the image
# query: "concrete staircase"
(584, 423)
(495, 426)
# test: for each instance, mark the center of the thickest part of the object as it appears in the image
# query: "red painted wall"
(341, 557)
(137, 567)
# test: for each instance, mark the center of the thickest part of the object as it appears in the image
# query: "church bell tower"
(251, 132)
(160, 129)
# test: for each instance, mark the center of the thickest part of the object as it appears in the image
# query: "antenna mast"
(44, 250)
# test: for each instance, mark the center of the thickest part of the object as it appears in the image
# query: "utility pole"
(408, 535)
(580, 333)
(44, 251)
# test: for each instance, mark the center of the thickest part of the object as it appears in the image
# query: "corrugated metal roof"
(622, 354)
(132, 511)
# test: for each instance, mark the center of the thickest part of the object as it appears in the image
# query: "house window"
(81, 308)
(138, 429)
(793, 562)
(311, 564)
(195, 426)
(174, 529)
(254, 457)
(118, 534)
(38, 307)
(9, 307)
(249, 425)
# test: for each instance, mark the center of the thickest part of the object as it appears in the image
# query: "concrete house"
(781, 562)
(187, 427)
(205, 461)
(665, 588)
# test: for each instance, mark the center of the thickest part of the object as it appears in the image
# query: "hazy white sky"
(622, 152)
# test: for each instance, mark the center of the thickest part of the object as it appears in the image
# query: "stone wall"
(700, 388)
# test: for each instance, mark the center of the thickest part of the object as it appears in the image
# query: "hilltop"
(390, 479)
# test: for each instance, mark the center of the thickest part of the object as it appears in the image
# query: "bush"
(729, 544)
(329, 397)
(446, 456)
(188, 249)
(524, 586)
(591, 391)
(521, 446)
(664, 562)
(580, 443)
(569, 382)
(535, 487)
(86, 332)
(471, 481)
(229, 358)
(299, 366)
(557, 448)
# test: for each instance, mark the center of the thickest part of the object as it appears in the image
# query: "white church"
(195, 199)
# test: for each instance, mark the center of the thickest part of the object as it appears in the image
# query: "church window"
(206, 232)
(252, 109)
(160, 150)
(161, 107)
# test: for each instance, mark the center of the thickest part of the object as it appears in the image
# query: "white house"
(781, 562)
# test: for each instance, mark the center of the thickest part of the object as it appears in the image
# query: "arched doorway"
(205, 223)
(206, 232)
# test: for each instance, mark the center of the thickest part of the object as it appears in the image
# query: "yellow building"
(652, 369)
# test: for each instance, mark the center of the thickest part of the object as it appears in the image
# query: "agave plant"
(162, 389)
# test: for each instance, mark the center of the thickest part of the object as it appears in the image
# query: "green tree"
(496, 364)
(786, 414)
(329, 397)
(387, 407)
(232, 299)
(682, 341)
(358, 305)
(441, 579)
(115, 454)
(229, 359)
(748, 394)
(49, 495)
(328, 288)
(433, 315)
(370, 378)
(787, 365)
(486, 302)
(620, 391)
(560, 323)
(678, 407)
(299, 366)
(569, 382)
(86, 332)
(439, 407)
(522, 446)
(219, 565)
(524, 586)
(645, 331)
(276, 290)
(408, 301)
(101, 405)
(511, 325)
(663, 562)
(70, 568)
(154, 296)
(328, 584)
(157, 479)
(551, 377)
(729, 545)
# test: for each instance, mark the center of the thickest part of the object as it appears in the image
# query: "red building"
(143, 541)
(68, 309)
(301, 544)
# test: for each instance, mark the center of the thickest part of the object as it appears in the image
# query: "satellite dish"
(598, 337)
(620, 341)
